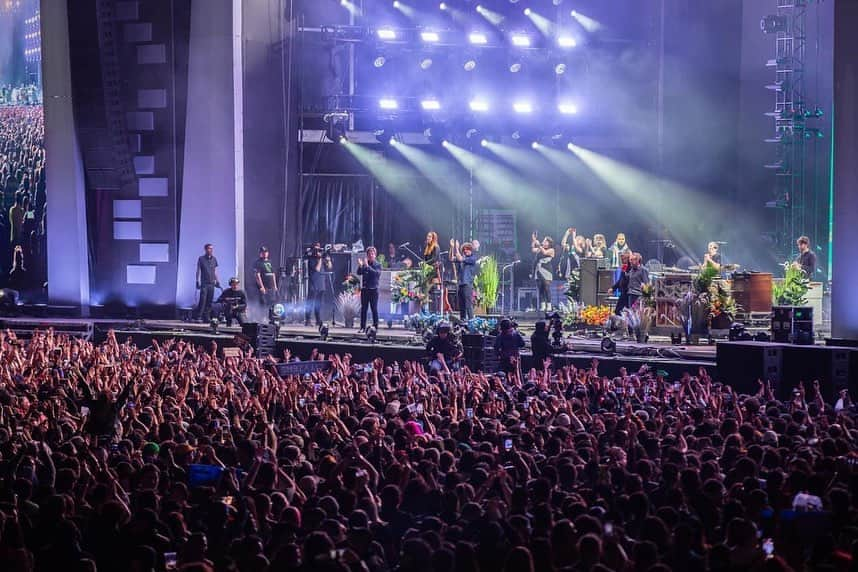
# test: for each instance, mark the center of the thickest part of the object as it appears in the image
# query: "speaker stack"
(792, 325)
(262, 337)
(479, 352)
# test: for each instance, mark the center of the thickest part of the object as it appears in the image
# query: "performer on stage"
(370, 269)
(621, 284)
(806, 260)
(619, 247)
(207, 280)
(544, 256)
(573, 251)
(266, 278)
(232, 303)
(466, 269)
(432, 257)
(318, 261)
(638, 276)
(598, 247)
(712, 256)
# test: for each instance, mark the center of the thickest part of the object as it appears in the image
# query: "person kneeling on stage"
(232, 304)
(445, 351)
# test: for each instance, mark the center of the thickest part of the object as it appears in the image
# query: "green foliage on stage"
(704, 280)
(793, 290)
(487, 282)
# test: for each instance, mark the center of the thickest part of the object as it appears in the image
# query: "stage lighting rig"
(773, 23)
(371, 334)
(478, 38)
(324, 330)
(336, 131)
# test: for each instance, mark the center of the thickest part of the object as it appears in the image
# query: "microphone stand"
(511, 287)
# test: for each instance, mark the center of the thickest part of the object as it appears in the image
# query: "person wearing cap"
(318, 262)
(207, 281)
(444, 349)
(266, 279)
(232, 303)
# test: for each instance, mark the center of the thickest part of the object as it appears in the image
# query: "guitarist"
(464, 269)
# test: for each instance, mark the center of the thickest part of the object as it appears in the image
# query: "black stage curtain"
(337, 208)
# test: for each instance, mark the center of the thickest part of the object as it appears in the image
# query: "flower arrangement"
(648, 295)
(351, 284)
(422, 321)
(570, 313)
(793, 290)
(382, 260)
(595, 315)
(481, 325)
(487, 282)
(409, 286)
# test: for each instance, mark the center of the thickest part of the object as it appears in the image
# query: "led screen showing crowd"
(23, 208)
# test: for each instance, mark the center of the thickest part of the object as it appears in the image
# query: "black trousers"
(313, 305)
(229, 313)
(369, 300)
(544, 287)
(204, 306)
(269, 298)
(622, 303)
(466, 301)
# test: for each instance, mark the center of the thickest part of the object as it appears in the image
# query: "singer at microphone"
(394, 259)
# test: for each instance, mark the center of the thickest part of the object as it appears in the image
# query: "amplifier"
(589, 288)
(792, 325)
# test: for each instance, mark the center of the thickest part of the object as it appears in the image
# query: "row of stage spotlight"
(475, 38)
(479, 105)
(472, 138)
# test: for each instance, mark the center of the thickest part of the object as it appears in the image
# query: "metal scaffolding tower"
(793, 154)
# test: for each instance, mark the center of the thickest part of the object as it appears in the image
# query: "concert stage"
(737, 363)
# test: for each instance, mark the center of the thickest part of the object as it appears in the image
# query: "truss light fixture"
(478, 38)
(567, 108)
(388, 103)
(470, 65)
(386, 34)
(560, 69)
(430, 105)
(566, 42)
(479, 105)
(379, 61)
(429, 36)
(522, 107)
(425, 63)
(521, 41)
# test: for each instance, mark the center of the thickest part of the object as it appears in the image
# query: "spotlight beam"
(543, 24)
(395, 177)
(507, 186)
(491, 16)
(446, 175)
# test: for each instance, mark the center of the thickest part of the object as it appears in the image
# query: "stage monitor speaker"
(262, 337)
(792, 325)
(589, 281)
(741, 364)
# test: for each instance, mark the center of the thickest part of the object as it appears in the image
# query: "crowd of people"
(23, 199)
(117, 457)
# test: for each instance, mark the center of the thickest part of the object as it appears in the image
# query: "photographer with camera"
(232, 303)
(318, 263)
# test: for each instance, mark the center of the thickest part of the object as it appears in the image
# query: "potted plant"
(793, 290)
(486, 284)
(348, 305)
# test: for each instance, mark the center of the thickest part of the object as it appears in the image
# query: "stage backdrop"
(23, 183)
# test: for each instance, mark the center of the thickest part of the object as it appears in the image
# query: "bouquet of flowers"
(408, 286)
(481, 325)
(351, 284)
(596, 315)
